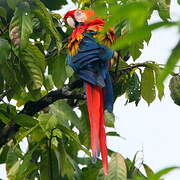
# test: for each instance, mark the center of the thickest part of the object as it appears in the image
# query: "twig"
(4, 94)
(50, 156)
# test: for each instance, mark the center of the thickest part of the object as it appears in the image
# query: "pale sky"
(154, 129)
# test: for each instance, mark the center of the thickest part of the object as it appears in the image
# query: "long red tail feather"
(95, 105)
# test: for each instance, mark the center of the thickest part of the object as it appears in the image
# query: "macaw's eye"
(71, 22)
(80, 16)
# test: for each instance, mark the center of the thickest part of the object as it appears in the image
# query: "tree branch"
(32, 107)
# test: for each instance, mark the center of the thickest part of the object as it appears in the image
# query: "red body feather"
(95, 104)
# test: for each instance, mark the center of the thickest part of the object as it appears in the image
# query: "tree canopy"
(42, 99)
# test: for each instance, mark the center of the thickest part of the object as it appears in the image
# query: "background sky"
(154, 130)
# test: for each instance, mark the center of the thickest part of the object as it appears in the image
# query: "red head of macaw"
(82, 21)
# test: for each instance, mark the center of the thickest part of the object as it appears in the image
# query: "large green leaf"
(157, 71)
(11, 161)
(21, 25)
(135, 49)
(48, 82)
(58, 70)
(13, 170)
(65, 113)
(109, 119)
(66, 166)
(5, 50)
(1, 83)
(45, 18)
(26, 167)
(148, 85)
(161, 173)
(3, 12)
(12, 3)
(47, 121)
(34, 62)
(139, 34)
(164, 9)
(3, 154)
(171, 62)
(117, 169)
(49, 166)
(148, 170)
(11, 84)
(133, 89)
(84, 123)
(55, 4)
(25, 120)
(24, 134)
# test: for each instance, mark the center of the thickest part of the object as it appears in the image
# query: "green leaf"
(4, 118)
(178, 2)
(55, 4)
(3, 12)
(117, 169)
(2, 84)
(5, 50)
(12, 3)
(25, 120)
(69, 71)
(21, 24)
(48, 82)
(171, 62)
(13, 170)
(133, 89)
(109, 118)
(34, 62)
(47, 165)
(25, 134)
(148, 85)
(64, 113)
(73, 137)
(112, 133)
(45, 18)
(3, 154)
(157, 74)
(139, 35)
(135, 49)
(11, 159)
(148, 170)
(66, 166)
(84, 123)
(58, 70)
(47, 121)
(161, 173)
(22, 98)
(163, 9)
(37, 135)
(26, 167)
(90, 173)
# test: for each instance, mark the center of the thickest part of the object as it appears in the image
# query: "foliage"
(32, 64)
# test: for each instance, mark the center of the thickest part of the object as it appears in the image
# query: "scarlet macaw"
(89, 60)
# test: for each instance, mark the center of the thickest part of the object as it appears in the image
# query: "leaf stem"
(50, 155)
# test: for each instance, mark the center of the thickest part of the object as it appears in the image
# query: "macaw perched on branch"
(89, 60)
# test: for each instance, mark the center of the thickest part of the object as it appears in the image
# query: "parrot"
(90, 59)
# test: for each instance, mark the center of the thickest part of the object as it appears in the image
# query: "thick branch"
(32, 107)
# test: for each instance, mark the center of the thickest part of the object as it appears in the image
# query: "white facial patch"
(71, 22)
(80, 16)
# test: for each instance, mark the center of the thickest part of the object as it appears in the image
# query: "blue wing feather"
(91, 64)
